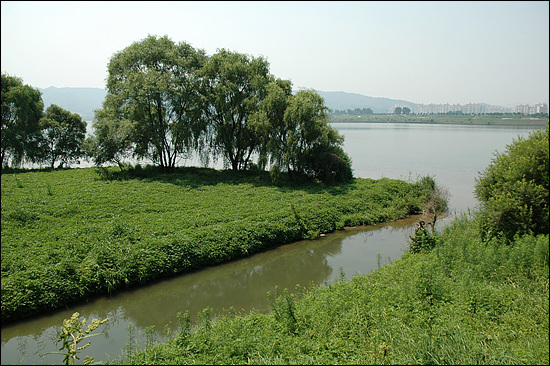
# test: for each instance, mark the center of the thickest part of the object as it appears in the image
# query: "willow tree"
(270, 121)
(235, 84)
(111, 141)
(22, 108)
(303, 143)
(154, 86)
(63, 133)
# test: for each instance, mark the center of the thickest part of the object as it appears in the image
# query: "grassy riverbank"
(475, 293)
(68, 235)
(511, 120)
(466, 302)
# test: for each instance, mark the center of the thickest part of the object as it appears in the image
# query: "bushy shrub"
(423, 241)
(513, 189)
(329, 166)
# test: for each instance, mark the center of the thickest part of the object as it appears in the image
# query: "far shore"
(486, 120)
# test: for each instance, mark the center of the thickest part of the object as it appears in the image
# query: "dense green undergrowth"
(475, 293)
(68, 235)
(464, 302)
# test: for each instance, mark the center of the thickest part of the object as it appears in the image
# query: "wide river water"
(452, 154)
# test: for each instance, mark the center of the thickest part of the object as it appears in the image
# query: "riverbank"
(510, 120)
(70, 235)
(466, 302)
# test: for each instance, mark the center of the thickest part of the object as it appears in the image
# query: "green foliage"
(154, 85)
(112, 139)
(72, 334)
(329, 163)
(22, 108)
(423, 241)
(300, 141)
(283, 309)
(165, 101)
(513, 189)
(235, 86)
(465, 302)
(436, 206)
(124, 228)
(63, 133)
(310, 146)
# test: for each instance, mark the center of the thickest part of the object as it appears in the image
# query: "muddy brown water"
(241, 284)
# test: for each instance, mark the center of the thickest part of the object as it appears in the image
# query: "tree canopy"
(22, 108)
(154, 85)
(310, 146)
(165, 101)
(63, 133)
(112, 139)
(235, 84)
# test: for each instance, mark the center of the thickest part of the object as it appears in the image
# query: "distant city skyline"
(473, 108)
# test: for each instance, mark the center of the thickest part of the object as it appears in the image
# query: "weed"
(72, 334)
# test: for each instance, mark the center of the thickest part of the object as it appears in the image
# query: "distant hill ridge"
(84, 100)
(343, 101)
(77, 100)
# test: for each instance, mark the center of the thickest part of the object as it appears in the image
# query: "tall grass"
(68, 235)
(464, 302)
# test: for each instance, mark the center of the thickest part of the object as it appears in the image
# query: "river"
(452, 154)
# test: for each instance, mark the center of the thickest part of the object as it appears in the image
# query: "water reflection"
(241, 284)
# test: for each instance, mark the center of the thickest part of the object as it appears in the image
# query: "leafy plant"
(423, 240)
(513, 189)
(72, 334)
(283, 308)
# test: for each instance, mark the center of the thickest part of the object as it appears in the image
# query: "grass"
(491, 120)
(464, 302)
(69, 235)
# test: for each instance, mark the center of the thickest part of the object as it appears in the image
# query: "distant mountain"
(342, 100)
(84, 100)
(338, 100)
(76, 100)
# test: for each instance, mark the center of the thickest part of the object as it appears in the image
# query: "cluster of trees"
(356, 111)
(405, 110)
(165, 101)
(30, 134)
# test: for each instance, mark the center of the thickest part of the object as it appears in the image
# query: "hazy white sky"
(422, 52)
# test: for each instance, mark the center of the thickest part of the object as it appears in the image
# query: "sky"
(494, 52)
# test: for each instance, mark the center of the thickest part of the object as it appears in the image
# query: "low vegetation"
(465, 119)
(68, 235)
(475, 293)
(464, 302)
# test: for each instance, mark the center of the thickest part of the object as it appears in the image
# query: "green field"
(491, 120)
(68, 235)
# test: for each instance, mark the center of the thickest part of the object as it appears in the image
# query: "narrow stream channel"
(241, 284)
